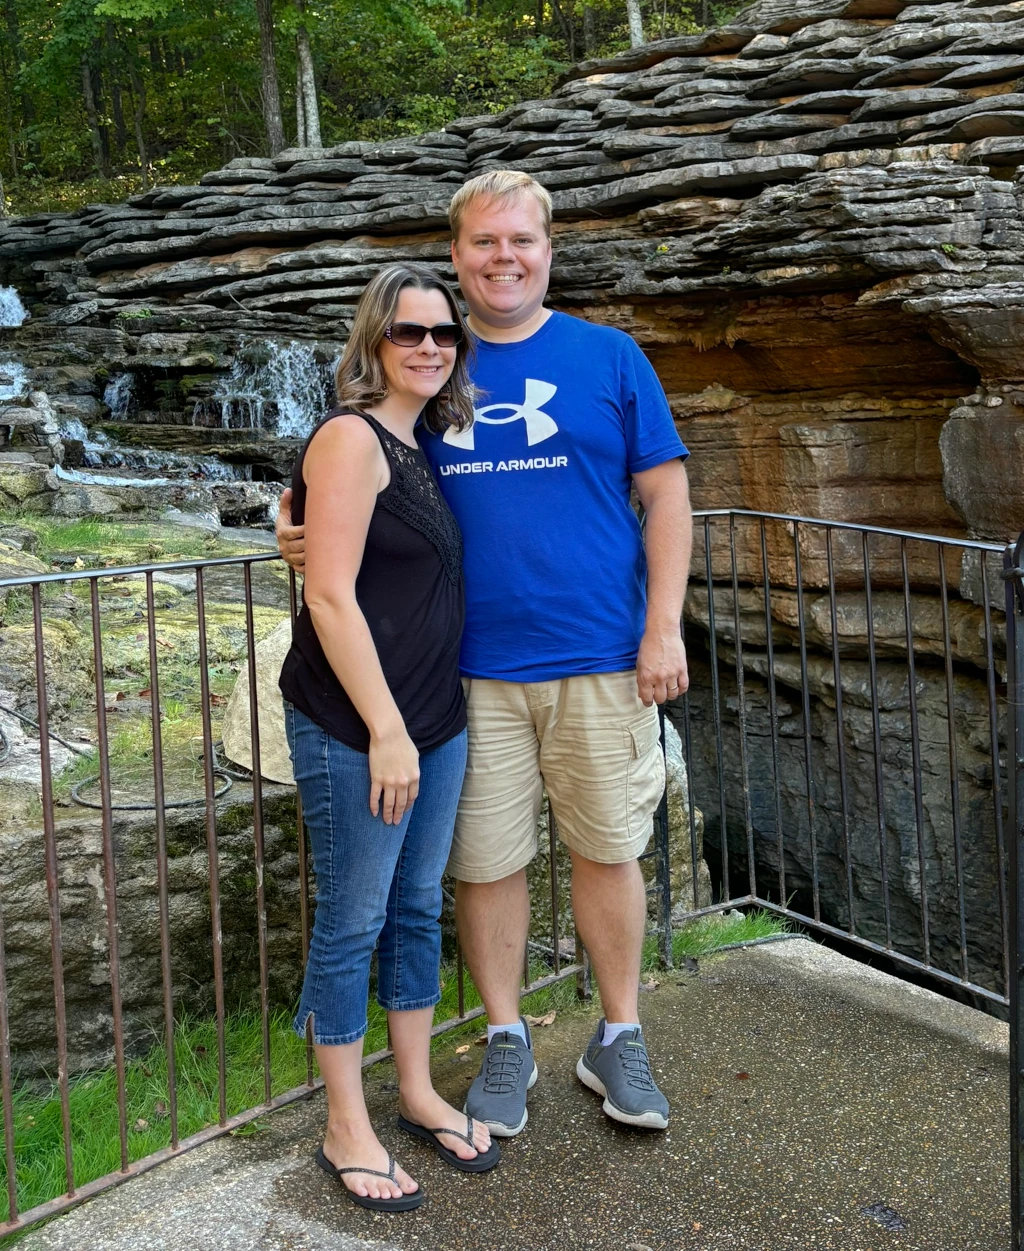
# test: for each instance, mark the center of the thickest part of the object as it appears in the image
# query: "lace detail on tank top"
(414, 498)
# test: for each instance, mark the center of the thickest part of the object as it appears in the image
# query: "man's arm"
(291, 540)
(661, 671)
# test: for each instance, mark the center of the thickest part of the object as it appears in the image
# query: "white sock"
(612, 1029)
(517, 1028)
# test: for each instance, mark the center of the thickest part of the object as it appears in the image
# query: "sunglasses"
(446, 334)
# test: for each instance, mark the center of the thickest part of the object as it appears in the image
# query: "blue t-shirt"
(554, 559)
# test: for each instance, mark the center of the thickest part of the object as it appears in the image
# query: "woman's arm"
(344, 470)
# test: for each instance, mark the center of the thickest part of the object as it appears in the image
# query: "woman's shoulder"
(345, 433)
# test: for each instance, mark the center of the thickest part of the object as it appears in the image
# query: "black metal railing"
(1013, 572)
(844, 738)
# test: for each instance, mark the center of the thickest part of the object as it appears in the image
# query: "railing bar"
(716, 703)
(773, 718)
(663, 876)
(556, 906)
(691, 812)
(915, 748)
(212, 851)
(1014, 588)
(805, 699)
(460, 976)
(947, 979)
(742, 709)
(876, 739)
(257, 828)
(163, 893)
(954, 765)
(828, 524)
(171, 566)
(997, 784)
(6, 1086)
(837, 679)
(109, 869)
(302, 848)
(52, 885)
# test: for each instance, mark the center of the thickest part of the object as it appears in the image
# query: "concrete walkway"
(817, 1105)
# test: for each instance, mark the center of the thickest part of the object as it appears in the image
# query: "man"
(572, 637)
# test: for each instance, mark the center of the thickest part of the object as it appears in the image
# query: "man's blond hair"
(503, 185)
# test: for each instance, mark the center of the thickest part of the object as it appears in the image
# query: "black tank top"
(409, 588)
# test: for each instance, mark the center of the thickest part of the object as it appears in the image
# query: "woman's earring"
(445, 394)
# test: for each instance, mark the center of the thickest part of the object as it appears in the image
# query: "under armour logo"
(539, 426)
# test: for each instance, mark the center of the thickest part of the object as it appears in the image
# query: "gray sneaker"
(622, 1073)
(498, 1094)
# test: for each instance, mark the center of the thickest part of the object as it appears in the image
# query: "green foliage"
(175, 84)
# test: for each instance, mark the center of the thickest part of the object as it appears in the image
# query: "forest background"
(99, 98)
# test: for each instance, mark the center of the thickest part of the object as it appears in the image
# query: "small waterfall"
(13, 381)
(95, 447)
(286, 378)
(119, 395)
(12, 311)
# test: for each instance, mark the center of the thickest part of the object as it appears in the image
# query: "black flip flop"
(480, 1163)
(405, 1204)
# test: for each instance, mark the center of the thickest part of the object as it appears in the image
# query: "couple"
(567, 638)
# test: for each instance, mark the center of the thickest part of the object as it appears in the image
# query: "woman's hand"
(291, 540)
(394, 775)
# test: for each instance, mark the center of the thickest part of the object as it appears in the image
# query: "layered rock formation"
(811, 219)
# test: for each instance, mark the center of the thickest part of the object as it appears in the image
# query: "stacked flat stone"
(822, 196)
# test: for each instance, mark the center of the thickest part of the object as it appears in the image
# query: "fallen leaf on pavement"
(547, 1019)
(461, 1051)
(482, 1041)
(651, 985)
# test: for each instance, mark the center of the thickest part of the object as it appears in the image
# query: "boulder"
(275, 758)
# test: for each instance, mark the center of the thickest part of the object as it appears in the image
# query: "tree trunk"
(139, 112)
(95, 131)
(116, 106)
(3, 198)
(636, 23)
(540, 16)
(28, 111)
(306, 87)
(705, 13)
(589, 30)
(300, 108)
(268, 60)
(568, 33)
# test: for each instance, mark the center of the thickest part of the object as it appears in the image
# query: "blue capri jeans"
(377, 885)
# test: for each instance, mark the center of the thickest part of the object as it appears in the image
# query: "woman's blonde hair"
(360, 379)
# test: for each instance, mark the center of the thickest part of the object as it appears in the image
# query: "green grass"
(39, 1149)
(712, 933)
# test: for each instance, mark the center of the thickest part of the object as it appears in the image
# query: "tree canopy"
(102, 96)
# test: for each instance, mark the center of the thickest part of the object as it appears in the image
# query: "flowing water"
(12, 311)
(13, 381)
(279, 386)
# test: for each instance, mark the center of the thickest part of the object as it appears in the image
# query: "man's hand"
(661, 671)
(291, 540)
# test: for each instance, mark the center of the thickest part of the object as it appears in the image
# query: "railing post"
(1014, 575)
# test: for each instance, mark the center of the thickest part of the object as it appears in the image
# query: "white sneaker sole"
(639, 1120)
(498, 1129)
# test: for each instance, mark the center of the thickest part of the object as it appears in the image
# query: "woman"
(376, 719)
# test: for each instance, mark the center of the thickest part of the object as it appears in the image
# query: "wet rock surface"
(816, 1103)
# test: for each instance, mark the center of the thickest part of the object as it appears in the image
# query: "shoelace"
(501, 1071)
(638, 1068)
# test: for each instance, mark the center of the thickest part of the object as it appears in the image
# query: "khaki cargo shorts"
(588, 739)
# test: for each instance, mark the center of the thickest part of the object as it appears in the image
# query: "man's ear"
(455, 255)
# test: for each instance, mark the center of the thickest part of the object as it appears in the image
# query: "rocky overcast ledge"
(853, 160)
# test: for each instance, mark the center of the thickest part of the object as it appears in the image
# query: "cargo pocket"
(645, 774)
